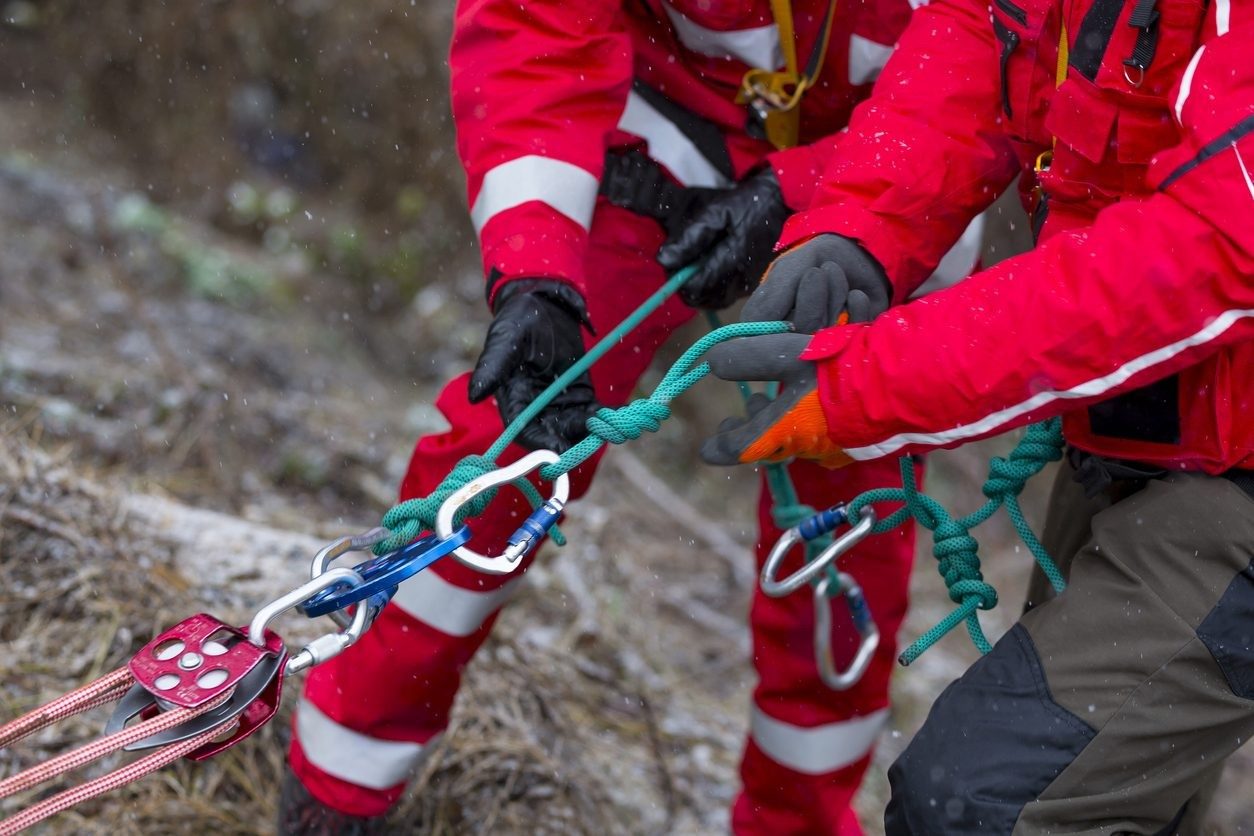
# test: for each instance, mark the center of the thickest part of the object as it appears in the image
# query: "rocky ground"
(186, 412)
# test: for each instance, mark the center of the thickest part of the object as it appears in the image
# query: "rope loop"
(409, 519)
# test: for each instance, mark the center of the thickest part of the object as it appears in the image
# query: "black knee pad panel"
(1228, 633)
(994, 740)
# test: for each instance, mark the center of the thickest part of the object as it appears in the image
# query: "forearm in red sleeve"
(925, 153)
(1153, 287)
(536, 89)
(1148, 291)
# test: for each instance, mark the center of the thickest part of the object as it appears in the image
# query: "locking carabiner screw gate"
(816, 526)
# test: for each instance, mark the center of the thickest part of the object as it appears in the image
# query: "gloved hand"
(735, 234)
(816, 281)
(790, 426)
(534, 337)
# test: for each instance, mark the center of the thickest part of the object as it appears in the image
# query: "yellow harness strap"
(1060, 75)
(775, 94)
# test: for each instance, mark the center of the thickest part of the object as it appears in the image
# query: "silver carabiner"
(524, 539)
(338, 548)
(839, 680)
(797, 535)
(324, 647)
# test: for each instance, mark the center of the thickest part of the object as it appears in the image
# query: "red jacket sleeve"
(925, 154)
(536, 89)
(1152, 287)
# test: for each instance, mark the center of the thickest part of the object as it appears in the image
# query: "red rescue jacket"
(542, 89)
(1134, 316)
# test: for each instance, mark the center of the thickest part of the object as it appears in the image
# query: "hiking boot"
(300, 814)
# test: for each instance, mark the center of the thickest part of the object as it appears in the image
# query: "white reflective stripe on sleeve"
(1245, 172)
(1223, 17)
(1186, 83)
(758, 47)
(958, 262)
(1090, 389)
(866, 59)
(450, 609)
(669, 146)
(352, 756)
(566, 187)
(817, 749)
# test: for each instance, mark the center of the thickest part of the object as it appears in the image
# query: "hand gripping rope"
(203, 685)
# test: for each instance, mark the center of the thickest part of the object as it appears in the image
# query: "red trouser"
(368, 715)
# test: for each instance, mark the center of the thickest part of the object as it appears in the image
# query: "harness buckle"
(528, 534)
(821, 523)
(868, 632)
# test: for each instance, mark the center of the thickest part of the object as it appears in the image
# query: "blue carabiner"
(382, 575)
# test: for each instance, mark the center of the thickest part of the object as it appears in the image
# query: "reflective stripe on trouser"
(399, 682)
(1111, 708)
(808, 745)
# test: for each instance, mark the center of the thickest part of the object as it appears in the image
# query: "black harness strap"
(1094, 36)
(704, 134)
(1145, 20)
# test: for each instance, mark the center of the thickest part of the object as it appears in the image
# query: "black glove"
(735, 234)
(812, 284)
(534, 337)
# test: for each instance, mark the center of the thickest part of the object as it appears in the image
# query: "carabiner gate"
(324, 647)
(532, 529)
(821, 523)
(860, 613)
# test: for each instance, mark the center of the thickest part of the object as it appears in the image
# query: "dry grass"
(543, 740)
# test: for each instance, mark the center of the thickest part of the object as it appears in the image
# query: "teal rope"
(787, 509)
(409, 519)
(956, 551)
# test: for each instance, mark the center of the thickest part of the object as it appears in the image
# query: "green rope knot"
(958, 562)
(618, 426)
(412, 517)
(1040, 445)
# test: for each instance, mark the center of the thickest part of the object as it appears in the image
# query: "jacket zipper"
(1009, 41)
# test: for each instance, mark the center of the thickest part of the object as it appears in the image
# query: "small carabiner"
(821, 523)
(860, 613)
(528, 535)
(337, 549)
(324, 647)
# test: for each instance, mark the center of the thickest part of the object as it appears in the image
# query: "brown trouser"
(1111, 708)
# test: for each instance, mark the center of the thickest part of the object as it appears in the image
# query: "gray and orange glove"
(827, 280)
(791, 425)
